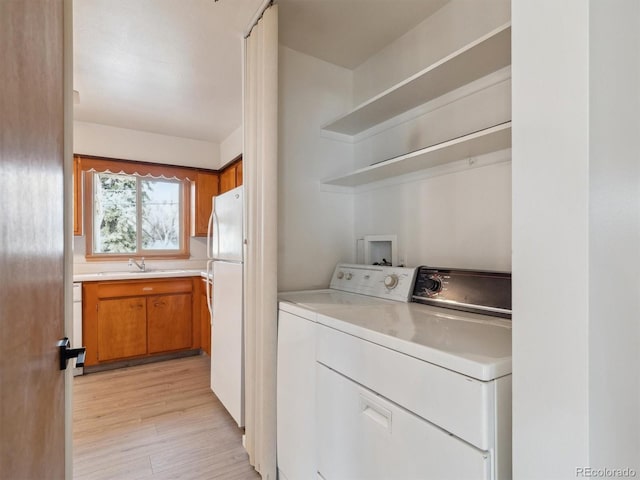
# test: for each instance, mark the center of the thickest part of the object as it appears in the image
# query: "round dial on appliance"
(349, 276)
(340, 274)
(391, 281)
(433, 285)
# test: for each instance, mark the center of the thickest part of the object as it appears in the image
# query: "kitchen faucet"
(140, 265)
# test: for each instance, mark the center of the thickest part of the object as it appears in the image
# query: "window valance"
(129, 167)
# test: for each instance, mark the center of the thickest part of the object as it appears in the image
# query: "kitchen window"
(136, 215)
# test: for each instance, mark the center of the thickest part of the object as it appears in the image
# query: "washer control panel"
(394, 283)
(469, 290)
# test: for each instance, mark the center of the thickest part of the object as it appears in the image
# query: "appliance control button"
(340, 275)
(391, 281)
(433, 285)
(349, 276)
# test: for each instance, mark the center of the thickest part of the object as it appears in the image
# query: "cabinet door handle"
(158, 304)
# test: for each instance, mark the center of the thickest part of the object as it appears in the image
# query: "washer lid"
(308, 303)
(478, 346)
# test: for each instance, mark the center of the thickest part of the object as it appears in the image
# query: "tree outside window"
(135, 215)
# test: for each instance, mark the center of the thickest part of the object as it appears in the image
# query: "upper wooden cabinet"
(239, 173)
(203, 189)
(77, 195)
(228, 179)
(231, 177)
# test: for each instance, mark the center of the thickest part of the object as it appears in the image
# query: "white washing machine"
(351, 286)
(397, 389)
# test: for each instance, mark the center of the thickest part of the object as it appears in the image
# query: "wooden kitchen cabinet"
(205, 186)
(231, 176)
(239, 173)
(228, 179)
(125, 319)
(169, 323)
(205, 319)
(122, 328)
(77, 195)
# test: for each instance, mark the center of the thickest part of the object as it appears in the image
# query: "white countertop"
(133, 275)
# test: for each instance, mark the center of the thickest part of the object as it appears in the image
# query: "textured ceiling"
(164, 66)
(173, 67)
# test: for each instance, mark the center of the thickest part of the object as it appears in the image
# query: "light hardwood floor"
(155, 421)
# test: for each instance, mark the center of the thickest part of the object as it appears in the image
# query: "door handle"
(67, 353)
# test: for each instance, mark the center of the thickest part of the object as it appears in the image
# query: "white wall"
(442, 120)
(126, 144)
(576, 211)
(198, 248)
(458, 219)
(550, 238)
(450, 28)
(231, 147)
(315, 227)
(614, 234)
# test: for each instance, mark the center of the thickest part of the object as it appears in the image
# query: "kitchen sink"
(140, 272)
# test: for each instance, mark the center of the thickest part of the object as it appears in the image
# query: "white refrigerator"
(225, 247)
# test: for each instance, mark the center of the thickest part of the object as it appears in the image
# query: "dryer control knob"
(433, 285)
(349, 276)
(391, 281)
(340, 274)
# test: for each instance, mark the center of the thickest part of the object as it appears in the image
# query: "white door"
(227, 363)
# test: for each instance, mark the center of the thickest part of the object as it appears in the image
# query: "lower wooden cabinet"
(205, 319)
(121, 328)
(169, 323)
(131, 319)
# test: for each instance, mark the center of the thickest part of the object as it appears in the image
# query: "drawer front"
(143, 287)
(461, 405)
(363, 436)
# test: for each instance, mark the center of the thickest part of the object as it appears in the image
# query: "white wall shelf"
(475, 60)
(474, 144)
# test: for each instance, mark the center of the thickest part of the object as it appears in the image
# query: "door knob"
(67, 353)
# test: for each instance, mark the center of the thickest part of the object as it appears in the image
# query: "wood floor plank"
(155, 421)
